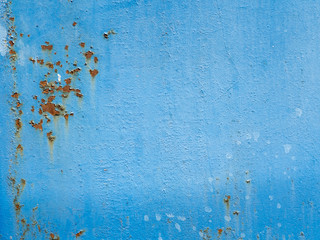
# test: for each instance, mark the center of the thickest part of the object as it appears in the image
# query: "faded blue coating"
(195, 101)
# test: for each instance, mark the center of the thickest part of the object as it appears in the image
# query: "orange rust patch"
(40, 61)
(32, 108)
(19, 148)
(68, 80)
(19, 104)
(79, 95)
(43, 83)
(50, 108)
(74, 24)
(15, 95)
(18, 123)
(94, 72)
(32, 60)
(50, 137)
(82, 44)
(88, 54)
(37, 125)
(66, 116)
(47, 47)
(51, 98)
(49, 65)
(95, 59)
(73, 71)
(220, 231)
(66, 47)
(11, 43)
(58, 63)
(21, 34)
(81, 232)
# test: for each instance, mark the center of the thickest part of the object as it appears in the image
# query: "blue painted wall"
(202, 122)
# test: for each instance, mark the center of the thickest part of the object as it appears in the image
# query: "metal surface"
(159, 119)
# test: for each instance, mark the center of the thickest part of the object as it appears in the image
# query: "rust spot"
(68, 80)
(49, 65)
(40, 61)
(220, 231)
(20, 148)
(35, 97)
(50, 108)
(110, 32)
(51, 98)
(15, 95)
(66, 116)
(54, 237)
(37, 125)
(21, 34)
(28, 35)
(11, 19)
(79, 95)
(81, 232)
(11, 43)
(47, 47)
(32, 108)
(19, 104)
(82, 44)
(73, 71)
(66, 47)
(43, 83)
(18, 123)
(93, 72)
(32, 60)
(88, 54)
(50, 137)
(74, 24)
(95, 59)
(58, 63)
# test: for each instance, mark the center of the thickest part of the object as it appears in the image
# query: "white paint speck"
(158, 217)
(268, 142)
(177, 227)
(3, 36)
(287, 148)
(298, 112)
(210, 221)
(247, 197)
(146, 218)
(242, 235)
(238, 142)
(248, 136)
(170, 215)
(278, 205)
(181, 218)
(59, 77)
(256, 136)
(207, 209)
(201, 234)
(228, 155)
(160, 238)
(227, 218)
(194, 228)
(270, 197)
(279, 225)
(210, 179)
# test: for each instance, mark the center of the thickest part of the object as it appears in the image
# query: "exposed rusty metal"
(110, 32)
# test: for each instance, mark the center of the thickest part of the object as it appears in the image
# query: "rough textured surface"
(135, 119)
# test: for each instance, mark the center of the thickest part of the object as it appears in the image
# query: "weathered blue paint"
(203, 119)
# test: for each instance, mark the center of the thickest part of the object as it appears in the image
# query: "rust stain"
(88, 54)
(66, 47)
(50, 108)
(54, 237)
(74, 24)
(80, 233)
(73, 71)
(15, 95)
(95, 60)
(37, 125)
(18, 124)
(93, 72)
(50, 137)
(47, 47)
